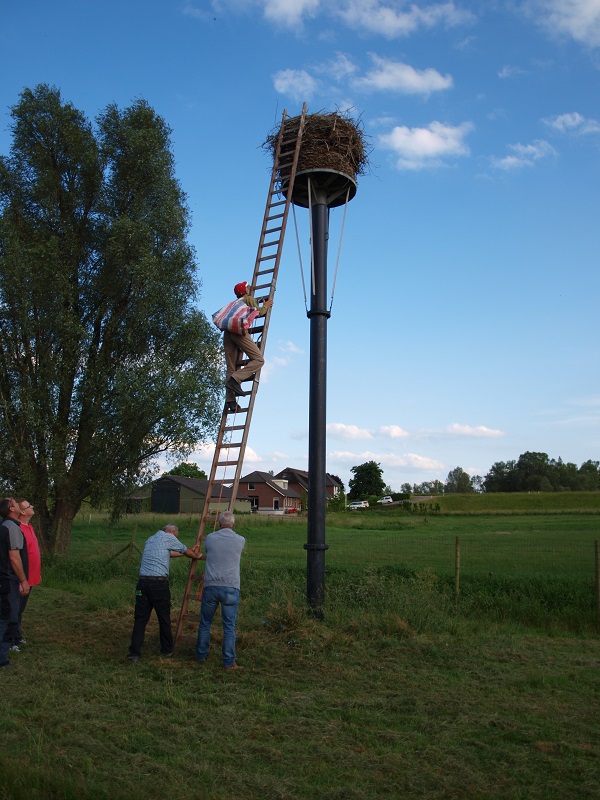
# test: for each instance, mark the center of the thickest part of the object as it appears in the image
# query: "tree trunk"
(61, 527)
(54, 529)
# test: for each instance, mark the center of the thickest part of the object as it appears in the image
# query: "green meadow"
(404, 689)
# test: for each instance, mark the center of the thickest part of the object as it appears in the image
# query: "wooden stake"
(457, 568)
(597, 553)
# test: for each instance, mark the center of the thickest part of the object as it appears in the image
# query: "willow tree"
(105, 360)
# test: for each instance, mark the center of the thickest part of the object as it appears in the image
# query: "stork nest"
(329, 141)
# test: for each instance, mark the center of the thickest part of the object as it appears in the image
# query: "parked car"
(386, 499)
(358, 504)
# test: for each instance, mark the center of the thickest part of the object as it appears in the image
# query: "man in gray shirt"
(13, 572)
(221, 585)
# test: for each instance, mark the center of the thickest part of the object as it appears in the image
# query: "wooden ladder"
(233, 435)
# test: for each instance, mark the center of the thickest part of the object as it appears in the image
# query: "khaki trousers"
(232, 343)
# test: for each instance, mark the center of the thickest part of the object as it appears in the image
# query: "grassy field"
(399, 692)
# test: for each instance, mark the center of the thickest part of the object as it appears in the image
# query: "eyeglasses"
(26, 507)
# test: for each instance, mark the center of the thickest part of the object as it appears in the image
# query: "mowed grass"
(399, 692)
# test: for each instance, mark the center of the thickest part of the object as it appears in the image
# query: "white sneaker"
(15, 648)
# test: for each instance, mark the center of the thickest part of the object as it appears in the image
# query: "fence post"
(457, 568)
(597, 552)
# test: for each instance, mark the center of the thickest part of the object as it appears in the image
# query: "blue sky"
(464, 328)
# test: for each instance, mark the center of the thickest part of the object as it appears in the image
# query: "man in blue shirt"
(221, 585)
(152, 590)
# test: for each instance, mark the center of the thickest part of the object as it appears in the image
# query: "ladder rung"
(267, 258)
(227, 463)
(264, 272)
(275, 216)
(230, 445)
(271, 244)
(234, 427)
(272, 230)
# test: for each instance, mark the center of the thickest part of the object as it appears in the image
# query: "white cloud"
(573, 123)
(382, 122)
(524, 155)
(393, 431)
(509, 71)
(252, 456)
(289, 347)
(395, 76)
(480, 431)
(338, 430)
(338, 68)
(290, 13)
(392, 21)
(296, 83)
(421, 148)
(389, 460)
(422, 462)
(576, 19)
(279, 456)
(272, 364)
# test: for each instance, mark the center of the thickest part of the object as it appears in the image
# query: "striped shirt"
(156, 557)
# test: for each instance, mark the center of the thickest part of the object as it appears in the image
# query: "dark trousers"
(9, 614)
(14, 634)
(152, 593)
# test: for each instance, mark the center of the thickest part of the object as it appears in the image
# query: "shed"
(174, 494)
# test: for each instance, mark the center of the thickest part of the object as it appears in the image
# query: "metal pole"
(318, 315)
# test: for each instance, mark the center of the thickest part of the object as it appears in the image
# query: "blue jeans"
(229, 599)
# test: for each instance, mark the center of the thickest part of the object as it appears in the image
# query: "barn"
(174, 494)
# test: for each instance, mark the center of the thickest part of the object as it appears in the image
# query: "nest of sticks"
(330, 141)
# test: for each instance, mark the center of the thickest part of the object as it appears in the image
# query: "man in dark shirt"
(13, 571)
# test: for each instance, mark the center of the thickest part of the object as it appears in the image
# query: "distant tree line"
(531, 472)
(536, 472)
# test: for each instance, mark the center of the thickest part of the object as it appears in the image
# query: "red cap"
(240, 289)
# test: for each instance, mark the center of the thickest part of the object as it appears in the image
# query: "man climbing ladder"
(234, 342)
